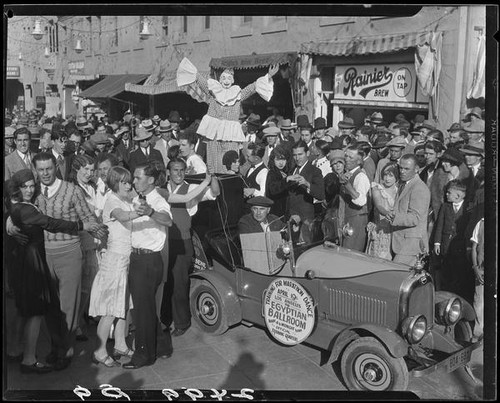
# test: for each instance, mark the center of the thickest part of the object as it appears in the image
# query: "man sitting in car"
(259, 219)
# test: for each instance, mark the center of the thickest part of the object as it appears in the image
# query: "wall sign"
(288, 311)
(378, 83)
(13, 72)
(76, 67)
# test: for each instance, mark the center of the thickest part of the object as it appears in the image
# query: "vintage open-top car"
(383, 320)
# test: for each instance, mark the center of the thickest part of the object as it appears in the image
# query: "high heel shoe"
(117, 354)
(107, 361)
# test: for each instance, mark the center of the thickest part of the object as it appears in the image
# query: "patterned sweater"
(68, 203)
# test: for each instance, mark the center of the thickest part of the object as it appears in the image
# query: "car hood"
(338, 262)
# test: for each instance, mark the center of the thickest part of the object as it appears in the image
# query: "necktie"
(27, 160)
(401, 187)
(46, 191)
(456, 207)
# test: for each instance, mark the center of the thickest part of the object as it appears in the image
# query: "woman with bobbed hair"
(231, 160)
(31, 279)
(280, 166)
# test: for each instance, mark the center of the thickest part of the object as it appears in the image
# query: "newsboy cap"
(260, 201)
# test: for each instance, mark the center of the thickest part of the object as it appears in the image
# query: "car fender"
(229, 297)
(468, 312)
(393, 342)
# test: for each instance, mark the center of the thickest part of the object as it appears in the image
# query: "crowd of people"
(100, 214)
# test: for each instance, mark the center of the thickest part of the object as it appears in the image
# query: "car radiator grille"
(354, 308)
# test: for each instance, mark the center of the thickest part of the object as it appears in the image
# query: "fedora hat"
(403, 124)
(122, 130)
(476, 126)
(455, 127)
(397, 142)
(165, 126)
(347, 123)
(99, 138)
(303, 121)
(319, 123)
(286, 124)
(376, 117)
(148, 125)
(174, 117)
(81, 122)
(473, 148)
(452, 154)
(142, 134)
(156, 119)
(418, 120)
(428, 124)
(270, 131)
(253, 120)
(380, 142)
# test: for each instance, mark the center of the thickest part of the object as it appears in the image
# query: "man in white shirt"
(194, 162)
(256, 177)
(354, 189)
(175, 303)
(146, 267)
(270, 136)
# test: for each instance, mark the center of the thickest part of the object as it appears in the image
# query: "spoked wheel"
(366, 365)
(207, 309)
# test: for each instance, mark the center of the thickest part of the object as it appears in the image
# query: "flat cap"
(260, 201)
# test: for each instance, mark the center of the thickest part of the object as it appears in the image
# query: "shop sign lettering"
(13, 71)
(288, 311)
(377, 82)
(76, 67)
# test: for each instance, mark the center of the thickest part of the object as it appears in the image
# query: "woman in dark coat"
(280, 166)
(31, 280)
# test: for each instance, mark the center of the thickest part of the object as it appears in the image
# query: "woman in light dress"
(384, 195)
(110, 297)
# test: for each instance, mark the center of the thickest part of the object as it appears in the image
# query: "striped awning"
(111, 85)
(253, 61)
(388, 43)
(161, 82)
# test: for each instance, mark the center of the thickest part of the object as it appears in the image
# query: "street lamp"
(145, 34)
(47, 53)
(78, 47)
(20, 57)
(37, 32)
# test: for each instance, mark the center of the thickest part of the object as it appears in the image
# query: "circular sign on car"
(288, 311)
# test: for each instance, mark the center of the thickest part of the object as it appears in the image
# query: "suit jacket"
(370, 168)
(450, 229)
(248, 225)
(14, 163)
(137, 158)
(409, 227)
(299, 200)
(123, 152)
(163, 149)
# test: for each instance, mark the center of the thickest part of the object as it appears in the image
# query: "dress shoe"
(179, 332)
(62, 363)
(36, 368)
(106, 361)
(134, 365)
(51, 358)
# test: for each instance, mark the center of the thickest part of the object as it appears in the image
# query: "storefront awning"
(112, 85)
(367, 45)
(253, 61)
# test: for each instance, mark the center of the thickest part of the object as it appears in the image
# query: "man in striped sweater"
(61, 199)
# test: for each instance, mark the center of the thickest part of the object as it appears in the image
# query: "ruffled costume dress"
(221, 124)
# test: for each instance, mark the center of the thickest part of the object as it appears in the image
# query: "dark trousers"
(357, 241)
(145, 276)
(175, 301)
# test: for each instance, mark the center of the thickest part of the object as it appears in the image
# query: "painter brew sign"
(288, 311)
(377, 82)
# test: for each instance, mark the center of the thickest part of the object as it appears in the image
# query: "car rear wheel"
(207, 309)
(366, 365)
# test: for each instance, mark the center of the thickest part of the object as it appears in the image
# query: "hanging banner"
(377, 83)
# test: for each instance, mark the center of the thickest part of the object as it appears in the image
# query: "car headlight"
(449, 312)
(414, 328)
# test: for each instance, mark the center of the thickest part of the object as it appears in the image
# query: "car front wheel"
(366, 365)
(207, 309)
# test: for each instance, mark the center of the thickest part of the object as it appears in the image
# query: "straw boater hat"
(165, 126)
(148, 125)
(376, 118)
(142, 134)
(473, 148)
(122, 130)
(270, 131)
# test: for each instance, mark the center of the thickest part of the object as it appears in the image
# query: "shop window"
(52, 31)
